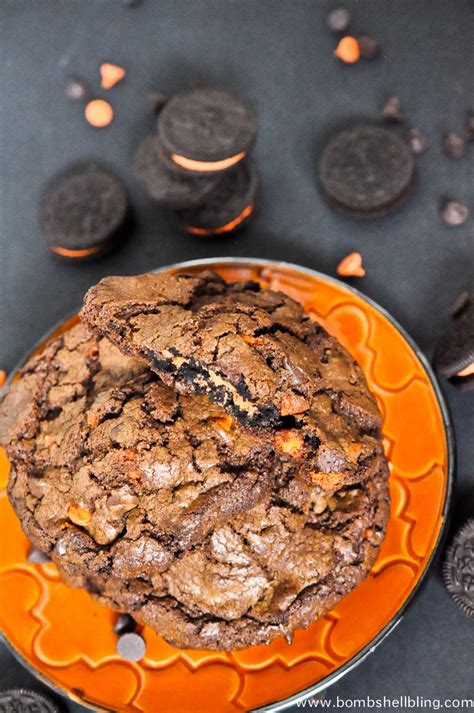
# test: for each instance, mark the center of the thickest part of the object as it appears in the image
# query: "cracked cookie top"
(255, 353)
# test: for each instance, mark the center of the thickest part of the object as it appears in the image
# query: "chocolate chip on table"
(338, 19)
(454, 145)
(460, 303)
(368, 46)
(24, 700)
(417, 141)
(36, 556)
(131, 646)
(124, 624)
(77, 89)
(454, 213)
(458, 569)
(391, 110)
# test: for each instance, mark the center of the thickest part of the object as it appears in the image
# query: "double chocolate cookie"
(255, 353)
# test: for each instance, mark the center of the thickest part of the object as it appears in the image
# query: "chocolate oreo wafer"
(458, 569)
(454, 354)
(231, 205)
(82, 211)
(169, 188)
(206, 131)
(366, 170)
(24, 700)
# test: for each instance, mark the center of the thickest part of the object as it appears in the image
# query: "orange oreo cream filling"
(223, 228)
(67, 252)
(467, 371)
(206, 166)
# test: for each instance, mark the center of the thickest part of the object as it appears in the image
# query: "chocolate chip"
(124, 624)
(35, 556)
(77, 89)
(368, 46)
(391, 110)
(338, 19)
(460, 303)
(417, 141)
(454, 145)
(131, 646)
(454, 213)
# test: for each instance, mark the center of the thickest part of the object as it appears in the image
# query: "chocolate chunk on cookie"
(82, 211)
(206, 130)
(366, 170)
(255, 353)
(169, 188)
(228, 208)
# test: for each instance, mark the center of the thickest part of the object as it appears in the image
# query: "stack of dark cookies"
(196, 164)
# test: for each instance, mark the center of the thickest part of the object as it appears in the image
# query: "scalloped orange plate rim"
(66, 639)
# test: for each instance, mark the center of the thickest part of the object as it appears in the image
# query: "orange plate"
(67, 639)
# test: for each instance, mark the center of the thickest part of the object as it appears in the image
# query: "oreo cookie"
(23, 700)
(232, 204)
(167, 187)
(366, 170)
(206, 130)
(82, 211)
(458, 569)
(454, 354)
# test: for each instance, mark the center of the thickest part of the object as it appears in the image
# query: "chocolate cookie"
(454, 354)
(228, 208)
(206, 130)
(82, 211)
(24, 700)
(255, 353)
(102, 444)
(366, 170)
(458, 569)
(169, 188)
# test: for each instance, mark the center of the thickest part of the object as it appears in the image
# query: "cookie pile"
(196, 163)
(200, 455)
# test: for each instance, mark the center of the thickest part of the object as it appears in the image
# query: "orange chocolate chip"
(92, 419)
(79, 516)
(289, 441)
(348, 50)
(222, 423)
(293, 403)
(3, 377)
(110, 75)
(249, 339)
(99, 113)
(351, 266)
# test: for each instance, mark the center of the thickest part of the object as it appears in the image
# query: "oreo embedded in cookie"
(454, 354)
(82, 211)
(24, 700)
(167, 187)
(366, 170)
(231, 205)
(206, 130)
(458, 569)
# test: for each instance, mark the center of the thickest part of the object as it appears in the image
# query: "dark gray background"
(279, 54)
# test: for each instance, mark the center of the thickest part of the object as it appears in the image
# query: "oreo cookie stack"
(196, 163)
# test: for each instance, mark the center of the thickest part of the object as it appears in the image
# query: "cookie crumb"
(454, 145)
(131, 646)
(392, 111)
(110, 75)
(77, 89)
(454, 213)
(417, 141)
(348, 50)
(351, 266)
(338, 19)
(368, 46)
(99, 113)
